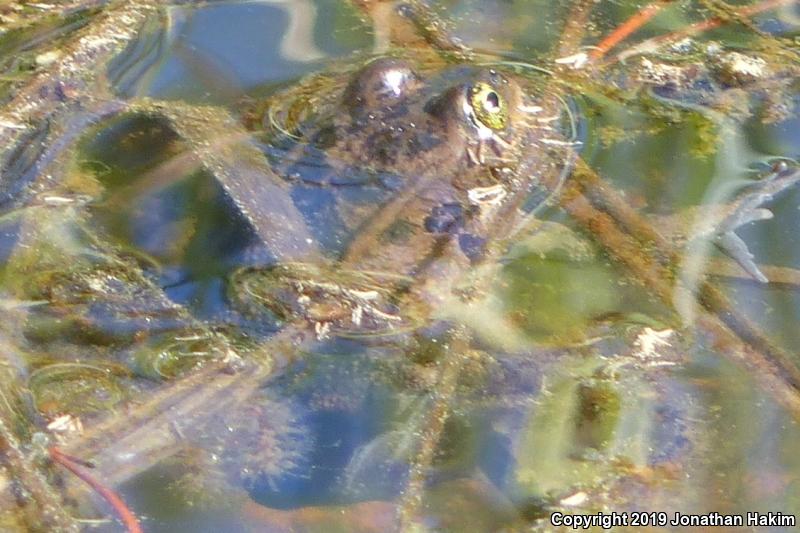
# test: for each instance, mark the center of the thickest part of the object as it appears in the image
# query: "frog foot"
(747, 210)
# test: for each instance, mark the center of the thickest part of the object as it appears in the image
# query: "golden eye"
(489, 107)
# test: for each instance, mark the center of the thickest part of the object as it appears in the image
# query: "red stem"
(626, 28)
(123, 512)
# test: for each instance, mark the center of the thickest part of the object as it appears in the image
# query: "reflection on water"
(228, 48)
(575, 388)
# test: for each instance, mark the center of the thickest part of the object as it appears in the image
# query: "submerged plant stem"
(652, 44)
(626, 28)
(434, 423)
(123, 512)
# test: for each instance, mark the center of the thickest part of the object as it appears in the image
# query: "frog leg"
(475, 153)
(750, 210)
(498, 144)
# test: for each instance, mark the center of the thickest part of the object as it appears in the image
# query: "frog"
(455, 153)
(458, 152)
(464, 125)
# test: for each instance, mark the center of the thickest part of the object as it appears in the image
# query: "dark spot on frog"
(399, 232)
(57, 91)
(445, 218)
(325, 137)
(423, 142)
(383, 148)
(472, 246)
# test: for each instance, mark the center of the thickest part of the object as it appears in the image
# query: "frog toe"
(735, 247)
(741, 218)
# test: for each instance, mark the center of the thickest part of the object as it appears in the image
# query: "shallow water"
(561, 406)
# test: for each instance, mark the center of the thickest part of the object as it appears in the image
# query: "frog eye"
(489, 107)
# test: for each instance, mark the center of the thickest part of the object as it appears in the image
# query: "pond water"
(577, 388)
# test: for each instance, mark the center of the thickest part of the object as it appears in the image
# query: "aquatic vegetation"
(77, 388)
(340, 303)
(277, 442)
